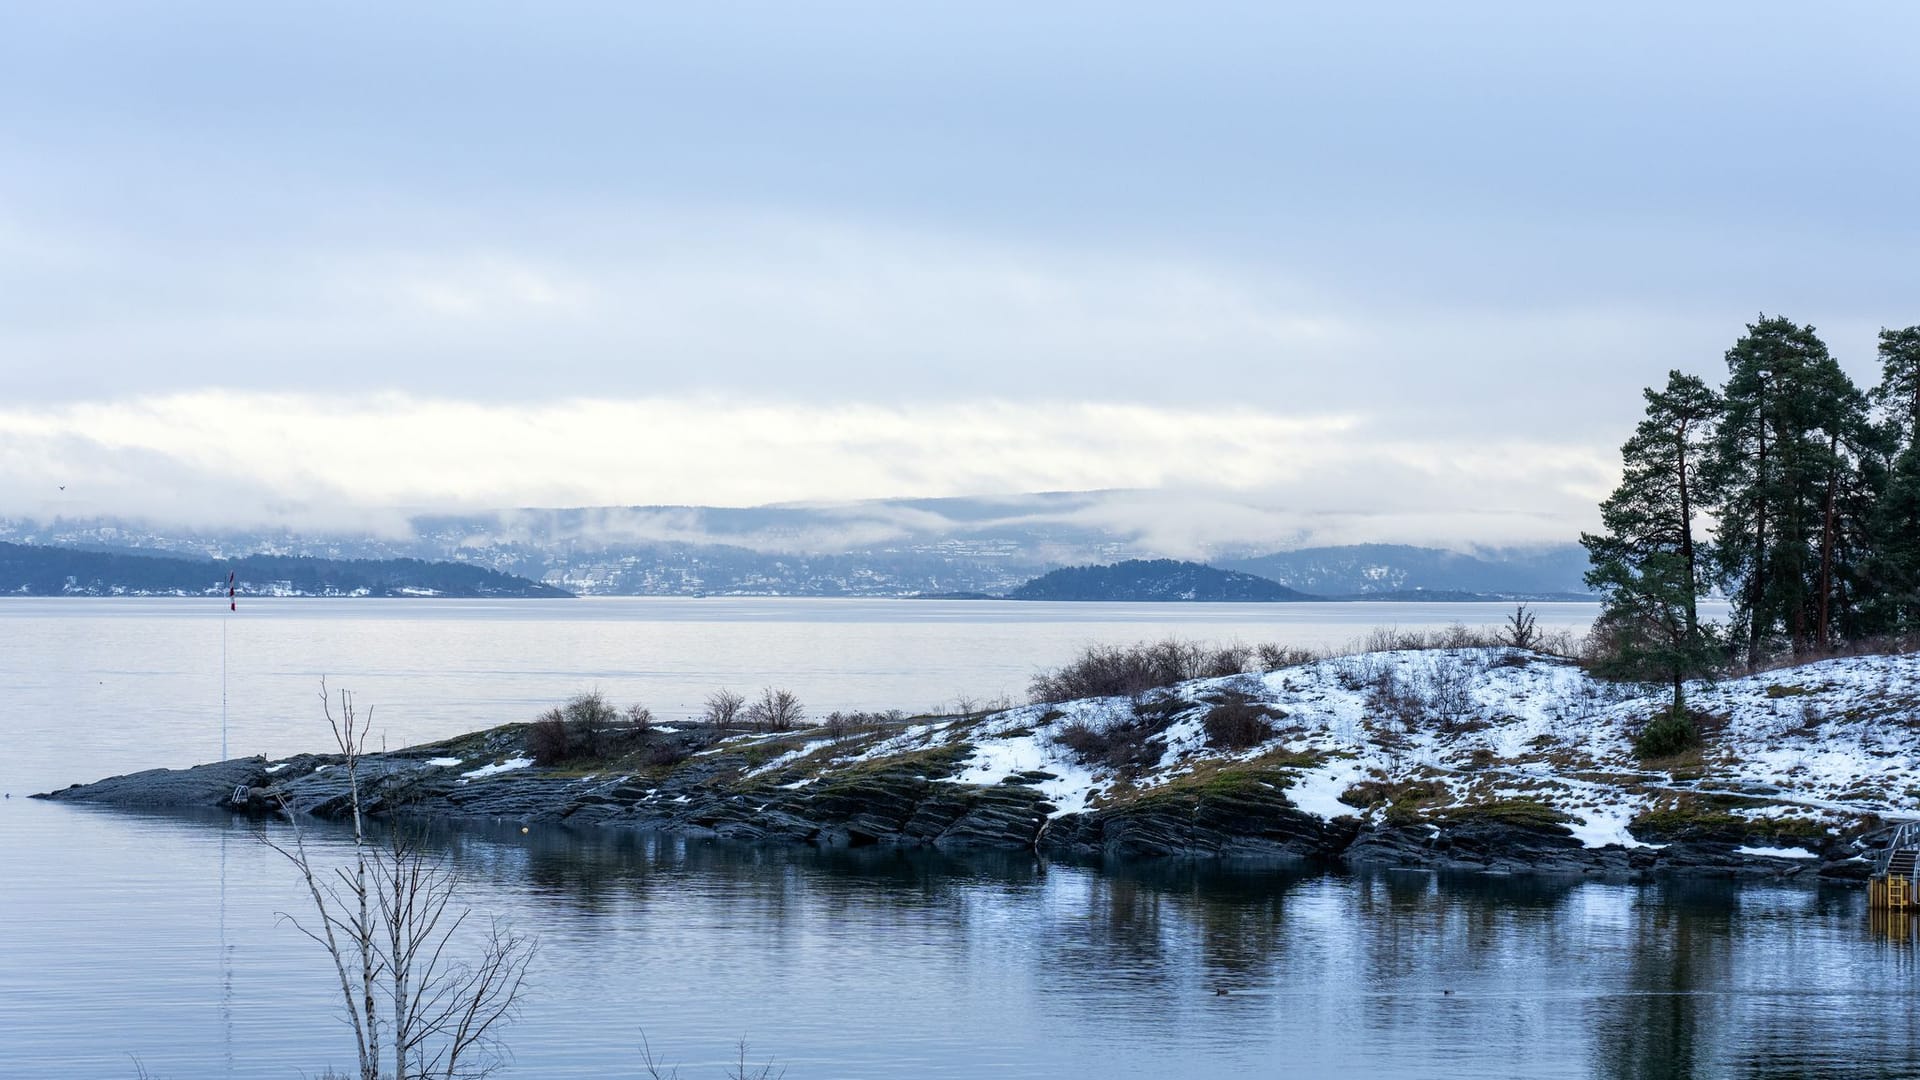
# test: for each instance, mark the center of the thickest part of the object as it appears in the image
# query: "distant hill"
(888, 547)
(27, 570)
(1361, 570)
(1144, 580)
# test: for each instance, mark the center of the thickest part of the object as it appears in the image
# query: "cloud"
(1197, 479)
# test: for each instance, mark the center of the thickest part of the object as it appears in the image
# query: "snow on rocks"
(499, 767)
(1477, 725)
(1778, 852)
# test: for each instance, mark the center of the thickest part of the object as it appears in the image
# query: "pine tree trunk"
(1686, 539)
(1826, 549)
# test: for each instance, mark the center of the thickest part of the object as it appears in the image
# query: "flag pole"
(224, 619)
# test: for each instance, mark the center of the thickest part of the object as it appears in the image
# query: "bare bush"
(1271, 657)
(388, 925)
(777, 710)
(1221, 661)
(723, 708)
(547, 738)
(590, 720)
(665, 752)
(1448, 689)
(586, 728)
(840, 725)
(1128, 743)
(1558, 642)
(1237, 724)
(1452, 636)
(1390, 697)
(1132, 670)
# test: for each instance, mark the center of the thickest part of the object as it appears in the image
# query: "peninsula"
(1472, 758)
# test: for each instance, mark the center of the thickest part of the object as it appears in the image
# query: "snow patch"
(490, 770)
(1779, 852)
(1318, 790)
(1606, 826)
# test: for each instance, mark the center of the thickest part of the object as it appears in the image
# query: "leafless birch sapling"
(387, 923)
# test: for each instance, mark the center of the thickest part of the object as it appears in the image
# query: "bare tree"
(777, 710)
(723, 708)
(387, 922)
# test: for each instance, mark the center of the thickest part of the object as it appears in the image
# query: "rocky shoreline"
(1493, 760)
(912, 802)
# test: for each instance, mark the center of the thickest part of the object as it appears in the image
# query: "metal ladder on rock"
(1896, 877)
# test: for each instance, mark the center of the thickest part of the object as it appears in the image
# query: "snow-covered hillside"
(1790, 755)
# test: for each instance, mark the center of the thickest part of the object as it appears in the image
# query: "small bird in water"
(1220, 992)
(1446, 993)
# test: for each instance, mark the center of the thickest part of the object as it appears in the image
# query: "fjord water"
(154, 936)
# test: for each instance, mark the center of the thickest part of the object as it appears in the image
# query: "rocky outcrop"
(1248, 818)
(214, 784)
(909, 799)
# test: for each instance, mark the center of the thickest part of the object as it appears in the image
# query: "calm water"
(155, 936)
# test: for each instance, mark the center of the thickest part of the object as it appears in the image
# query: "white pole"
(223, 687)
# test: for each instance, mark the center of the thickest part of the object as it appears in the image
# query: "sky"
(1403, 266)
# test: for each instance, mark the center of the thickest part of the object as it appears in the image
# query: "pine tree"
(1785, 471)
(1645, 563)
(1898, 394)
(1893, 568)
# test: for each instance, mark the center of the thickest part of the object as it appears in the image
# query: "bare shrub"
(777, 710)
(665, 752)
(723, 708)
(1453, 636)
(1448, 690)
(840, 725)
(547, 738)
(1132, 670)
(1082, 738)
(1271, 657)
(1558, 642)
(1128, 743)
(586, 728)
(1222, 660)
(1390, 697)
(388, 924)
(1237, 724)
(590, 720)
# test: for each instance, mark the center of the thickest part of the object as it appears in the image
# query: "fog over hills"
(893, 547)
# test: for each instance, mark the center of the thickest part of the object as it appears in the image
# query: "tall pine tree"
(1784, 470)
(1645, 563)
(1893, 568)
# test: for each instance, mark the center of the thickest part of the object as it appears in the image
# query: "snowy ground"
(1826, 742)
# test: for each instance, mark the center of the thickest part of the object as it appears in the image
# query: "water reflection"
(868, 963)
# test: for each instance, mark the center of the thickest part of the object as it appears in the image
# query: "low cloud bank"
(1177, 481)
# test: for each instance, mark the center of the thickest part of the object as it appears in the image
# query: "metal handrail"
(1907, 835)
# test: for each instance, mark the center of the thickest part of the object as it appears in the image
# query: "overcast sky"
(1398, 260)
